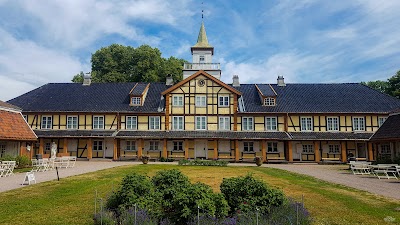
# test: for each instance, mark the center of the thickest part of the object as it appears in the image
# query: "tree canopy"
(390, 87)
(118, 63)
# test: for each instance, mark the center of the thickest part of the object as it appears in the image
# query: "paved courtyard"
(331, 173)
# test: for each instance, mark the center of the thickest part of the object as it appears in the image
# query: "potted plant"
(259, 161)
(145, 159)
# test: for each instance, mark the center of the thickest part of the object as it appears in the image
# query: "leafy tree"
(78, 78)
(118, 63)
(394, 85)
(378, 85)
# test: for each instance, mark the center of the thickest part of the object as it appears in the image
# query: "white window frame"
(154, 122)
(224, 123)
(381, 120)
(272, 147)
(248, 146)
(177, 123)
(307, 148)
(332, 123)
(130, 145)
(154, 146)
(202, 59)
(72, 122)
(334, 149)
(201, 101)
(268, 101)
(177, 100)
(201, 123)
(306, 123)
(178, 146)
(247, 123)
(223, 101)
(130, 125)
(136, 101)
(47, 122)
(96, 122)
(358, 124)
(271, 123)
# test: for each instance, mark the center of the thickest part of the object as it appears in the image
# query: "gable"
(194, 82)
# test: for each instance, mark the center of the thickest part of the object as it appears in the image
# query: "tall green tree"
(378, 85)
(118, 63)
(394, 85)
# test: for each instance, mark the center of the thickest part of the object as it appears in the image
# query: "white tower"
(202, 53)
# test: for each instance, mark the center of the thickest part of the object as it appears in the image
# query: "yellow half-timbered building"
(203, 117)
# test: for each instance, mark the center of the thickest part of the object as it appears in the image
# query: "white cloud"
(25, 64)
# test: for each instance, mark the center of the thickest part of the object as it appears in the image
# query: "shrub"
(246, 194)
(162, 159)
(23, 161)
(7, 158)
(198, 162)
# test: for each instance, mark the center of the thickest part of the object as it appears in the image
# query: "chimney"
(87, 79)
(281, 81)
(169, 80)
(235, 81)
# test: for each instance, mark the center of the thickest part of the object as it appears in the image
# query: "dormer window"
(269, 101)
(136, 101)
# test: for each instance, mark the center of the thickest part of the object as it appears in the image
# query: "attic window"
(202, 59)
(269, 101)
(136, 101)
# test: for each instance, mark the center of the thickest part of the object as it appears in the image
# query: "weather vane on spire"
(202, 11)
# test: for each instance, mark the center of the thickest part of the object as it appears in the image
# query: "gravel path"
(331, 173)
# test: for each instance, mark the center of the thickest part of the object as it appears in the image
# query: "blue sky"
(309, 41)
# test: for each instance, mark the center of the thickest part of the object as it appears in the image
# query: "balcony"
(201, 66)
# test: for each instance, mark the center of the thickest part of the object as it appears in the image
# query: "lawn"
(71, 200)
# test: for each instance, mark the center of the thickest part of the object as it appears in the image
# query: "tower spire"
(202, 41)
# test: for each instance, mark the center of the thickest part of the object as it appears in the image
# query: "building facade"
(203, 117)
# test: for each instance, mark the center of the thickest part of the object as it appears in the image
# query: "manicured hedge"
(197, 162)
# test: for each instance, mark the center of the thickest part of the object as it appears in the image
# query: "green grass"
(71, 200)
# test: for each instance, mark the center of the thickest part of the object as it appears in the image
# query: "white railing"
(201, 66)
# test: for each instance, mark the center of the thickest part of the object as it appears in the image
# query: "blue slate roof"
(266, 90)
(97, 97)
(324, 98)
(292, 98)
(390, 129)
(139, 88)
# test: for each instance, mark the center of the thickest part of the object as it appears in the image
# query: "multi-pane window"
(272, 147)
(385, 149)
(223, 101)
(332, 124)
(306, 124)
(201, 101)
(358, 124)
(224, 123)
(47, 148)
(334, 149)
(72, 122)
(2, 150)
(154, 122)
(130, 146)
(98, 122)
(270, 123)
(136, 101)
(177, 100)
(178, 145)
(269, 101)
(154, 146)
(381, 120)
(177, 122)
(201, 123)
(247, 123)
(131, 123)
(97, 145)
(46, 122)
(248, 146)
(308, 149)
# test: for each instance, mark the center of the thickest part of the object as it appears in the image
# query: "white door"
(109, 149)
(201, 149)
(297, 152)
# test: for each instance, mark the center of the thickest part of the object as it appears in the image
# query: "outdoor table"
(382, 171)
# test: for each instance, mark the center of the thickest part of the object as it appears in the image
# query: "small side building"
(387, 138)
(16, 136)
